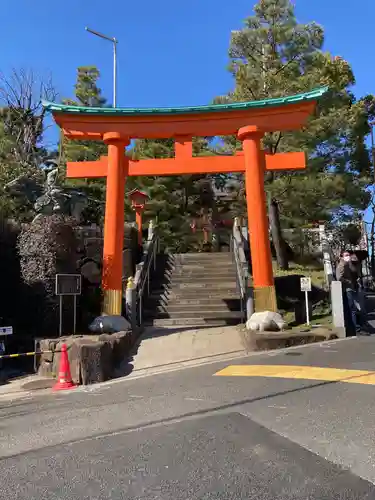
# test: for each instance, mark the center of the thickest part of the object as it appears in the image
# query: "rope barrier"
(20, 354)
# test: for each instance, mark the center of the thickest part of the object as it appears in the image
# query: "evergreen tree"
(274, 55)
(174, 200)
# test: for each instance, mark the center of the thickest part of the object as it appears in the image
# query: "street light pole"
(114, 41)
(114, 72)
(372, 145)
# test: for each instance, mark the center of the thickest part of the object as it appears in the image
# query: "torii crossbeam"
(249, 121)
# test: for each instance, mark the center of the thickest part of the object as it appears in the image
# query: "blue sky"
(170, 52)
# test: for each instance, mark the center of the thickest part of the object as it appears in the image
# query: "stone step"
(231, 302)
(195, 289)
(209, 279)
(220, 266)
(195, 293)
(197, 254)
(196, 261)
(186, 271)
(199, 265)
(220, 285)
(173, 295)
(202, 314)
(208, 264)
(202, 259)
(204, 265)
(214, 293)
(192, 308)
(196, 322)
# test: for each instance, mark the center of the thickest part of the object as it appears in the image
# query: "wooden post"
(205, 228)
(138, 219)
(138, 200)
(264, 288)
(114, 224)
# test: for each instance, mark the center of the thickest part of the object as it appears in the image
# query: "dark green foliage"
(174, 200)
(11, 293)
(274, 55)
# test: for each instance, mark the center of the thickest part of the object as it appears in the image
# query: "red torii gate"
(250, 121)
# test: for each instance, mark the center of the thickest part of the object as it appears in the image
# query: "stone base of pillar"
(112, 303)
(265, 299)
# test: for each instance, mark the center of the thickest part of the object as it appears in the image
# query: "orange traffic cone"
(64, 380)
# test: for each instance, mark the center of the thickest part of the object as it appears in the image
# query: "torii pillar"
(264, 288)
(118, 165)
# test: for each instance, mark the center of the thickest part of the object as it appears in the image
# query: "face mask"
(347, 258)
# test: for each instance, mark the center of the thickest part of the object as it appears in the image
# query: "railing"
(138, 288)
(242, 271)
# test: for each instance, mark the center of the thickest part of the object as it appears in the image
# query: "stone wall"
(92, 358)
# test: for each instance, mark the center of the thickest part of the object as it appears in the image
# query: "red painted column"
(263, 282)
(138, 220)
(114, 223)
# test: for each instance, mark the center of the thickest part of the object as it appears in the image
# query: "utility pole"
(114, 41)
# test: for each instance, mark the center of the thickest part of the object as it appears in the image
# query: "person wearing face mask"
(360, 291)
(347, 273)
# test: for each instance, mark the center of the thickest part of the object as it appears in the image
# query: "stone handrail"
(242, 270)
(136, 287)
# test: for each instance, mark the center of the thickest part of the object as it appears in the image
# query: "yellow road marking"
(300, 373)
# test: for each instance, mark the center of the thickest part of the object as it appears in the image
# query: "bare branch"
(21, 96)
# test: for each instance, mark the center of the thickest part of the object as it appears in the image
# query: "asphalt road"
(191, 435)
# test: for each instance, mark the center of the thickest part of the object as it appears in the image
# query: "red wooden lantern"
(138, 200)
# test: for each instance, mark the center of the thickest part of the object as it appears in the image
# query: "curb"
(160, 370)
(176, 366)
(267, 341)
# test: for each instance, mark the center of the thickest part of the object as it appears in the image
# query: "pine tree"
(274, 55)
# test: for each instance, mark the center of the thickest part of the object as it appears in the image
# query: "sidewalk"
(166, 349)
(24, 386)
(161, 347)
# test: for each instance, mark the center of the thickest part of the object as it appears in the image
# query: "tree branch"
(277, 143)
(21, 95)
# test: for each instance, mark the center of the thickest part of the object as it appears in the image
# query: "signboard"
(305, 284)
(6, 330)
(306, 287)
(68, 284)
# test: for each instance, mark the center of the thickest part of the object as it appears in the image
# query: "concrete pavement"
(191, 434)
(224, 456)
(165, 346)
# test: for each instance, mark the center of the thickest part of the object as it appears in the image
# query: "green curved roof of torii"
(313, 95)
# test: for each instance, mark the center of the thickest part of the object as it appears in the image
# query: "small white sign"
(6, 330)
(305, 284)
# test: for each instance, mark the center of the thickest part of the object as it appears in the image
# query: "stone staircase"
(193, 289)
